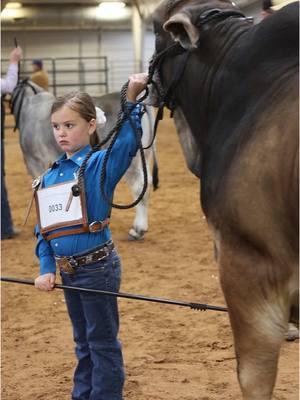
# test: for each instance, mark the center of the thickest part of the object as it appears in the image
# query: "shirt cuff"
(133, 108)
(47, 265)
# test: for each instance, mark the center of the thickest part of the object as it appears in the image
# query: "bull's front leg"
(135, 180)
(258, 313)
(140, 223)
(292, 333)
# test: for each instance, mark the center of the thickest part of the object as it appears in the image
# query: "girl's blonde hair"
(83, 104)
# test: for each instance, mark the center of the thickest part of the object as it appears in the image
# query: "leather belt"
(71, 263)
(94, 227)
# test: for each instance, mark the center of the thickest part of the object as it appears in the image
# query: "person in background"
(269, 7)
(266, 8)
(8, 83)
(73, 235)
(39, 75)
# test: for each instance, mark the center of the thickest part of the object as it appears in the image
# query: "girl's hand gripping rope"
(136, 84)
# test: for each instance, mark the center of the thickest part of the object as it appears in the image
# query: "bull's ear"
(182, 30)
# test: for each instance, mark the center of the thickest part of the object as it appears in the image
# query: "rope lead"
(112, 136)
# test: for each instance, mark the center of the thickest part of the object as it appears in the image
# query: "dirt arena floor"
(171, 352)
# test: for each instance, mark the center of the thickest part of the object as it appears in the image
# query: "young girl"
(74, 237)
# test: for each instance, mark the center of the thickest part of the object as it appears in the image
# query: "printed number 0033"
(55, 207)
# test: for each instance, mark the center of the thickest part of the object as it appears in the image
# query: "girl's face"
(72, 132)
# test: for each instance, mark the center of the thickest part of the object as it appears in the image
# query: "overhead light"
(111, 10)
(10, 12)
(107, 7)
(111, 5)
(12, 5)
(278, 4)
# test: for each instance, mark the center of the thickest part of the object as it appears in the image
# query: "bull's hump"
(278, 35)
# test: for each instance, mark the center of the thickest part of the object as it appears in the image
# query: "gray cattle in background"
(39, 148)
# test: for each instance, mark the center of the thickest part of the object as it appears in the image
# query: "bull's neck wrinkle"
(223, 38)
(208, 65)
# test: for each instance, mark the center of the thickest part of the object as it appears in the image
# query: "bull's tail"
(155, 178)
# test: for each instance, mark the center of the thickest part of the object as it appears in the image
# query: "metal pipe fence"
(75, 73)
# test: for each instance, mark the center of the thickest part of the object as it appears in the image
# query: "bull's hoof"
(135, 235)
(292, 333)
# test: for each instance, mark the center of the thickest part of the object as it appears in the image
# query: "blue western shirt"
(65, 169)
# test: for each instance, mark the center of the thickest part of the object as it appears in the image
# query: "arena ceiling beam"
(79, 14)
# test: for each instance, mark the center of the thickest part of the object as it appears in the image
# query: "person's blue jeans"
(6, 219)
(99, 374)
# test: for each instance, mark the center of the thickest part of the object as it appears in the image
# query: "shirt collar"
(77, 158)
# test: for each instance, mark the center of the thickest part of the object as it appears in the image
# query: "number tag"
(52, 202)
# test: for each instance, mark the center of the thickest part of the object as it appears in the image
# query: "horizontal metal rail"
(54, 68)
(66, 71)
(79, 84)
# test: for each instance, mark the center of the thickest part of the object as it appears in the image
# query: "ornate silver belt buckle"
(89, 259)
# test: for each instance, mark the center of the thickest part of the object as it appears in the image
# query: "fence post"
(106, 74)
(54, 76)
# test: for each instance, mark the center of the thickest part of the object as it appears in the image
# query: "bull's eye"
(157, 34)
(159, 42)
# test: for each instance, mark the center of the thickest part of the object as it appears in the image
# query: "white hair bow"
(100, 118)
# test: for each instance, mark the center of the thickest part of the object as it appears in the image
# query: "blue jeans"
(99, 374)
(6, 220)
